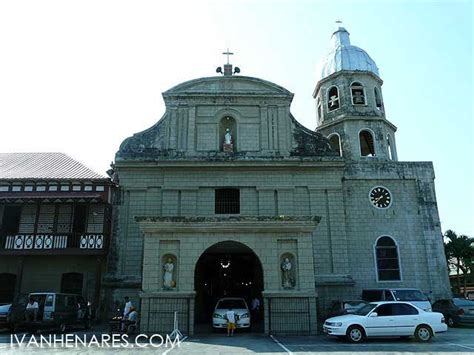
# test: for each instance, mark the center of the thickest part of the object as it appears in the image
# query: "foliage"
(459, 251)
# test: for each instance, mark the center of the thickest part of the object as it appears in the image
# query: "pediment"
(239, 85)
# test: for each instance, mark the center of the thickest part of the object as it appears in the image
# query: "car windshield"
(409, 295)
(462, 302)
(354, 304)
(364, 310)
(231, 304)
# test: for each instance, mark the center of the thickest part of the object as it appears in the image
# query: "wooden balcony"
(54, 244)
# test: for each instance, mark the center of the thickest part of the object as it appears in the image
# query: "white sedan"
(240, 308)
(386, 319)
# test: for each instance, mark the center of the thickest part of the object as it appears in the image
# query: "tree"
(460, 254)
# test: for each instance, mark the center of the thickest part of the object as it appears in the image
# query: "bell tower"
(349, 103)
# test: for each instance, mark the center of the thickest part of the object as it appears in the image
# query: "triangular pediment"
(231, 85)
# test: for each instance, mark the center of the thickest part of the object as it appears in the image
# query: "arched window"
(378, 98)
(390, 148)
(318, 105)
(358, 94)
(335, 143)
(388, 264)
(333, 98)
(366, 141)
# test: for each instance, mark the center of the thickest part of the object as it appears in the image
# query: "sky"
(81, 76)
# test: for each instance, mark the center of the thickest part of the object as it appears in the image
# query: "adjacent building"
(55, 226)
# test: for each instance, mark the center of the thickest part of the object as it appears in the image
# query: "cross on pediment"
(228, 54)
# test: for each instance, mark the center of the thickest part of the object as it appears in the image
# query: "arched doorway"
(227, 269)
(7, 287)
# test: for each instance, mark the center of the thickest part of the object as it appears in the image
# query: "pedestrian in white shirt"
(230, 316)
(126, 308)
(31, 309)
(130, 321)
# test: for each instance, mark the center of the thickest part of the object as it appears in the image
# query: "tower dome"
(344, 56)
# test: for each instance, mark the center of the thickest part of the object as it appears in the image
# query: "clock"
(380, 197)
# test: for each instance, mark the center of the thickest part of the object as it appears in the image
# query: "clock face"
(380, 197)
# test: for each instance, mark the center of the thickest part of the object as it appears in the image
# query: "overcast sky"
(81, 76)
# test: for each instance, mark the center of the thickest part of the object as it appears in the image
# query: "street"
(457, 340)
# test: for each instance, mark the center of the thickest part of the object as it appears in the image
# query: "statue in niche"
(168, 280)
(288, 281)
(227, 136)
(228, 144)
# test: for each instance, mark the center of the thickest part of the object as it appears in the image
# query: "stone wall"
(420, 241)
(342, 243)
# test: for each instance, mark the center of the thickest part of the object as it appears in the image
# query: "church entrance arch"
(227, 269)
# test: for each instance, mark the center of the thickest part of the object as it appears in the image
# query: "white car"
(386, 319)
(240, 308)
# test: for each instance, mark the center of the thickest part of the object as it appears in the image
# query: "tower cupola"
(344, 56)
(349, 104)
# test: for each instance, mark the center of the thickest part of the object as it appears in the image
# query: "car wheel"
(450, 322)
(423, 333)
(355, 334)
(62, 327)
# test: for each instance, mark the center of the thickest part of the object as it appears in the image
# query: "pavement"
(456, 340)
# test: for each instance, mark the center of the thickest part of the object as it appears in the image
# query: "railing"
(289, 315)
(53, 243)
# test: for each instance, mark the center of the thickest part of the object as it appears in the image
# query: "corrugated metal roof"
(46, 166)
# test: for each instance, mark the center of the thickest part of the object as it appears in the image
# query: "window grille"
(227, 201)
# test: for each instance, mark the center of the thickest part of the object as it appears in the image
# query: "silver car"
(467, 307)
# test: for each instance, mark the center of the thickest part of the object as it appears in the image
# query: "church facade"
(229, 196)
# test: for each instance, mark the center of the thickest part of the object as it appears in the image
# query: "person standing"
(126, 308)
(131, 320)
(255, 307)
(31, 309)
(230, 316)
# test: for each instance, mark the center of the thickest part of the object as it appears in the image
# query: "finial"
(340, 35)
(228, 66)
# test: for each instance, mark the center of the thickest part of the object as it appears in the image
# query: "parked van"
(56, 310)
(412, 295)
